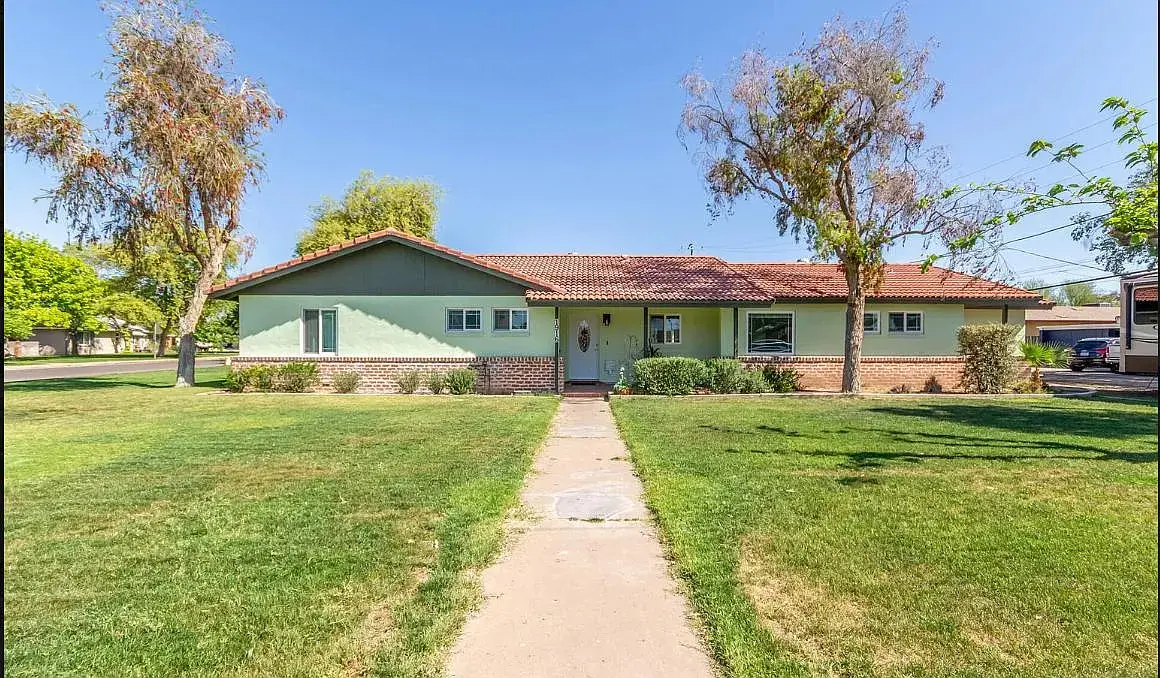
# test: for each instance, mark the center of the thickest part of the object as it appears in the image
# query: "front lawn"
(159, 532)
(891, 537)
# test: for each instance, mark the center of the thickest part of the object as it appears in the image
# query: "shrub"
(667, 376)
(436, 382)
(461, 381)
(932, 385)
(296, 377)
(753, 381)
(260, 377)
(236, 380)
(1038, 356)
(990, 364)
(346, 382)
(724, 375)
(901, 388)
(782, 379)
(1029, 386)
(409, 381)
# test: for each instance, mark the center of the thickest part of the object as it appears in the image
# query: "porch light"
(606, 319)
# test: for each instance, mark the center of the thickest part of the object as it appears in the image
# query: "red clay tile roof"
(677, 279)
(383, 235)
(788, 281)
(624, 278)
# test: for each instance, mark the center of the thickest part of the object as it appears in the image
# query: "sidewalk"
(584, 590)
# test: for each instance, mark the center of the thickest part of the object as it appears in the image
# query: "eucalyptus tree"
(831, 137)
(177, 150)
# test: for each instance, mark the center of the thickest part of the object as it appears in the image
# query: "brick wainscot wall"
(879, 373)
(497, 375)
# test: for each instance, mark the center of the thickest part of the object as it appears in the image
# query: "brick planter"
(879, 373)
(497, 375)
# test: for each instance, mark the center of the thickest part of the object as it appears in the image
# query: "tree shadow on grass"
(1042, 419)
(867, 459)
(92, 383)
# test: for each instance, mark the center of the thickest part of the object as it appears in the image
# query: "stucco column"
(556, 322)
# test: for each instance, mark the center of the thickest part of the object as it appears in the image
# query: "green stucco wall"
(819, 329)
(395, 326)
(621, 341)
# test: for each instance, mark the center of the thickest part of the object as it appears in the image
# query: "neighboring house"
(1068, 324)
(387, 302)
(58, 341)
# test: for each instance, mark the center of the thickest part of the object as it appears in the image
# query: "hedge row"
(679, 376)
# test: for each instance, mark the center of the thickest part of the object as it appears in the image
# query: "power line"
(1075, 282)
(1055, 140)
(1052, 162)
(1064, 261)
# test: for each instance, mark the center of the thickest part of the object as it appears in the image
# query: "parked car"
(1096, 352)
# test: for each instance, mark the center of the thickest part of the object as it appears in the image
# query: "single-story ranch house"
(387, 302)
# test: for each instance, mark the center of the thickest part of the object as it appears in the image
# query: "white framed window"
(664, 329)
(871, 322)
(904, 322)
(509, 320)
(464, 319)
(769, 333)
(319, 331)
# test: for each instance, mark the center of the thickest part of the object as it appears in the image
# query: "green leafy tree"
(1124, 232)
(219, 326)
(44, 287)
(121, 310)
(177, 152)
(830, 137)
(372, 204)
(1040, 286)
(1077, 294)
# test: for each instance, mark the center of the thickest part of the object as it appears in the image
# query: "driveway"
(1100, 379)
(97, 369)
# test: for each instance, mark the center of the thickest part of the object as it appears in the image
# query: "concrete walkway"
(584, 590)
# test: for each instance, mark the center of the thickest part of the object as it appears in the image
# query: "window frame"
(877, 322)
(1134, 301)
(665, 329)
(792, 333)
(463, 310)
(302, 330)
(905, 316)
(510, 310)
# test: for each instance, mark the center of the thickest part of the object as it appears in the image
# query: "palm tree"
(1039, 355)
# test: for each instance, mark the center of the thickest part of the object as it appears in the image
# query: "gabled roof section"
(804, 281)
(235, 285)
(619, 278)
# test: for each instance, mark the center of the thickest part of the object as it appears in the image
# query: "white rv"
(1138, 323)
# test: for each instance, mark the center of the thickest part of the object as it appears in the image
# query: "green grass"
(875, 537)
(53, 359)
(158, 532)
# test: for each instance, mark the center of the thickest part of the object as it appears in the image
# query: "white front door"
(583, 348)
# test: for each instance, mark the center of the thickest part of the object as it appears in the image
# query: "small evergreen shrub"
(990, 364)
(932, 385)
(236, 380)
(409, 381)
(461, 381)
(295, 377)
(346, 382)
(753, 381)
(261, 377)
(782, 379)
(724, 375)
(436, 382)
(668, 376)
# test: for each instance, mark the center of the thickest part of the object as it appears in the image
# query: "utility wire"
(1105, 277)
(1065, 261)
(1055, 140)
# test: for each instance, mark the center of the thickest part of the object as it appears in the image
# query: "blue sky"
(552, 126)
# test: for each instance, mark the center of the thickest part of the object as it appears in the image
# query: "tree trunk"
(187, 324)
(855, 319)
(163, 338)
